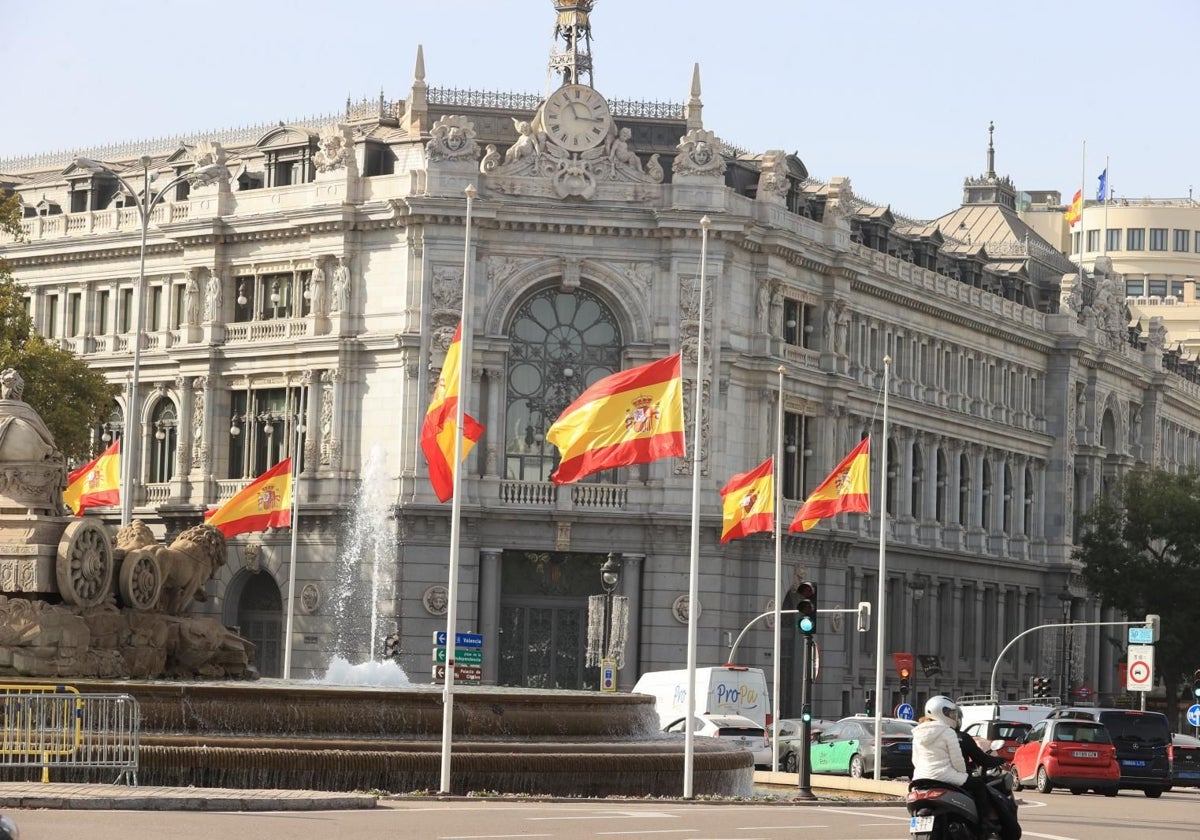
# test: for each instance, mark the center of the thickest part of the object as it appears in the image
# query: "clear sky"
(896, 96)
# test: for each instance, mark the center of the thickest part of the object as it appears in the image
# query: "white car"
(735, 728)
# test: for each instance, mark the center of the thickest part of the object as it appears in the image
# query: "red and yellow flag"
(631, 417)
(748, 502)
(847, 489)
(1075, 211)
(440, 426)
(264, 503)
(97, 483)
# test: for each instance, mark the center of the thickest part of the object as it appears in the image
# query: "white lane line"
(487, 836)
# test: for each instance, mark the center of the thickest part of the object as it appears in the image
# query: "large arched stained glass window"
(560, 344)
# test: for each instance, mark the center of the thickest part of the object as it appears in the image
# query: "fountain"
(210, 731)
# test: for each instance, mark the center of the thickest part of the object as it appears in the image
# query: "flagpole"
(881, 606)
(689, 738)
(1104, 198)
(291, 594)
(776, 474)
(1082, 193)
(464, 375)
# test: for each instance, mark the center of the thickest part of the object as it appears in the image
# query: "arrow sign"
(462, 673)
(462, 656)
(461, 640)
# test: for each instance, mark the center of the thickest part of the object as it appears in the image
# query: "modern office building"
(304, 304)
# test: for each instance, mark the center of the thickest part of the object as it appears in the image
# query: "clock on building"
(576, 117)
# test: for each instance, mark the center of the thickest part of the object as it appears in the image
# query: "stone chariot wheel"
(140, 580)
(85, 564)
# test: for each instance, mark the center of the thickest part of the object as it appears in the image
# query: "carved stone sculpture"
(452, 138)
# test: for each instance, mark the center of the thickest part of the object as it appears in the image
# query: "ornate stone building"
(310, 297)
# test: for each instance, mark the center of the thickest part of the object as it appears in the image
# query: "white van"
(981, 707)
(720, 690)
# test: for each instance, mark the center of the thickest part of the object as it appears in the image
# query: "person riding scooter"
(941, 753)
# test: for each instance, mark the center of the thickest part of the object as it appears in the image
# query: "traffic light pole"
(1023, 633)
(804, 786)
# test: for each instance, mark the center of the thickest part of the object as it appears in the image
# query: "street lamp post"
(1065, 599)
(145, 204)
(610, 574)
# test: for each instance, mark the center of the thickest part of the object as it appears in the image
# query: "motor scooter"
(942, 811)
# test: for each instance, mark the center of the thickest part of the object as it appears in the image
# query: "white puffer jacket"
(937, 754)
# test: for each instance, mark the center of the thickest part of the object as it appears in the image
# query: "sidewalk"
(95, 797)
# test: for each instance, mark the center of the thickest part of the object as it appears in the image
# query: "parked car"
(789, 740)
(847, 748)
(734, 728)
(1142, 739)
(1011, 732)
(1070, 753)
(1185, 761)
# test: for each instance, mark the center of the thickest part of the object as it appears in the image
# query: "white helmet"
(944, 710)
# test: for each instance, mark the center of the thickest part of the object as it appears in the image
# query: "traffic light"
(1040, 686)
(806, 713)
(870, 703)
(1196, 685)
(806, 608)
(903, 681)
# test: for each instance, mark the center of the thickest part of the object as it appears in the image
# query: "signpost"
(467, 657)
(1140, 671)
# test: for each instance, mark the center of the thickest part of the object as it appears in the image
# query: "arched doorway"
(260, 620)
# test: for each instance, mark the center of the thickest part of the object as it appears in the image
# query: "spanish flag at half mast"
(847, 489)
(1075, 211)
(264, 503)
(748, 502)
(97, 483)
(440, 426)
(631, 417)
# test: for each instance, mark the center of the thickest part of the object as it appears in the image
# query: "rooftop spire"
(571, 50)
(991, 154)
(694, 106)
(416, 110)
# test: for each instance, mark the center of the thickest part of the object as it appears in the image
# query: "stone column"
(631, 588)
(489, 611)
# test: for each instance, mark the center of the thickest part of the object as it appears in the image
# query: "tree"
(72, 398)
(1141, 554)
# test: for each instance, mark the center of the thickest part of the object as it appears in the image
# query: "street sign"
(461, 640)
(608, 675)
(1084, 692)
(462, 656)
(1141, 635)
(904, 711)
(1140, 673)
(462, 673)
(1193, 714)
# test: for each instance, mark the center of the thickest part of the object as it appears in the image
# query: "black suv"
(1142, 739)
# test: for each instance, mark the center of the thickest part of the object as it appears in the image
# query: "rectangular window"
(1093, 240)
(1196, 243)
(1177, 288)
(1114, 239)
(797, 452)
(1135, 288)
(154, 318)
(1135, 239)
(1075, 242)
(74, 303)
(51, 316)
(102, 302)
(266, 433)
(178, 294)
(1181, 239)
(797, 323)
(1158, 288)
(125, 314)
(1158, 239)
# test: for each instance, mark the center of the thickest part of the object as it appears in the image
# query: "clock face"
(576, 118)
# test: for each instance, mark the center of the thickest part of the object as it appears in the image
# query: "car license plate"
(918, 824)
(1129, 762)
(1188, 775)
(1086, 754)
(904, 747)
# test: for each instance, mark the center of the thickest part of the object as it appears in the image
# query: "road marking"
(608, 815)
(487, 836)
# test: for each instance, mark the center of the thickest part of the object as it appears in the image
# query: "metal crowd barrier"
(82, 737)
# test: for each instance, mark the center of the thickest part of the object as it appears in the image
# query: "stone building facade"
(303, 306)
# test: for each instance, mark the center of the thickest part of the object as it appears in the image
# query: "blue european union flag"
(1102, 192)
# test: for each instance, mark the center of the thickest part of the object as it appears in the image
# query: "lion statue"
(187, 564)
(133, 536)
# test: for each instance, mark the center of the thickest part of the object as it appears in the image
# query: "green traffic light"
(805, 624)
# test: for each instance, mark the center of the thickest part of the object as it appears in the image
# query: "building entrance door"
(543, 619)
(260, 619)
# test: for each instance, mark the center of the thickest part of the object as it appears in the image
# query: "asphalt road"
(1056, 816)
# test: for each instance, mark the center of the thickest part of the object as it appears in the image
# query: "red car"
(1011, 732)
(1063, 752)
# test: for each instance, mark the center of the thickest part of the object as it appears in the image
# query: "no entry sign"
(1139, 675)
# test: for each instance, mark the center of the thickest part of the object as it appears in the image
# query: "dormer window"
(92, 192)
(289, 166)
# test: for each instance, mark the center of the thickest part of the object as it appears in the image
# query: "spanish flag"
(748, 502)
(1075, 211)
(264, 503)
(97, 483)
(847, 489)
(438, 430)
(631, 417)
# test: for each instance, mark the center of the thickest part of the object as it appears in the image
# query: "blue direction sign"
(1194, 714)
(904, 711)
(461, 640)
(1141, 635)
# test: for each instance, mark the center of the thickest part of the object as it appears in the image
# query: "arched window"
(165, 422)
(560, 344)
